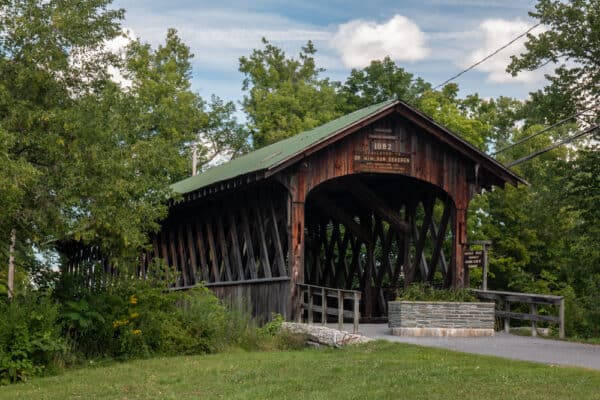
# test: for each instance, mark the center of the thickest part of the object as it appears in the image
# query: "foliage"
(426, 292)
(285, 96)
(132, 319)
(380, 81)
(30, 339)
(91, 138)
(222, 136)
(379, 370)
(571, 42)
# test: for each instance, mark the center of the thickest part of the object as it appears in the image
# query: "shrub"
(425, 292)
(132, 319)
(30, 337)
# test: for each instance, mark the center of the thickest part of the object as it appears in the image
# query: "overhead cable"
(488, 56)
(555, 145)
(554, 125)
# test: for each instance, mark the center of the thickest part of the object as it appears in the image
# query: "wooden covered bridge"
(371, 201)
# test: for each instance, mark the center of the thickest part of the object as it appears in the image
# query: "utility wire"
(555, 145)
(554, 125)
(488, 56)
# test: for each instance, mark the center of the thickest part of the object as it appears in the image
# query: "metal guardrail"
(506, 298)
(309, 293)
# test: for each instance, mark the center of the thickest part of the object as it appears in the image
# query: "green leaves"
(285, 96)
(380, 81)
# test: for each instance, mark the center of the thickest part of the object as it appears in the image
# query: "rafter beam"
(370, 200)
(341, 216)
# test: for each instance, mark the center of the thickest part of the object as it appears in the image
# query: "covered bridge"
(371, 201)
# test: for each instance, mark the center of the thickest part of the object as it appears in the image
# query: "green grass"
(378, 370)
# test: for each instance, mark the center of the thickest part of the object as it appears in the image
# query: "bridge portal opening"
(377, 233)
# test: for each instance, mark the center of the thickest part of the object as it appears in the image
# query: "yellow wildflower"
(118, 323)
(134, 315)
(133, 299)
(137, 332)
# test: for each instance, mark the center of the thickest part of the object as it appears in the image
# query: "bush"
(425, 292)
(132, 319)
(30, 337)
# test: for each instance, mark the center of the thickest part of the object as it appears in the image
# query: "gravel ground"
(545, 351)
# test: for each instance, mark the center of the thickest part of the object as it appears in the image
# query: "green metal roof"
(272, 155)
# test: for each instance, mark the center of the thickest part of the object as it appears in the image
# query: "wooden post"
(485, 267)
(323, 307)
(459, 277)
(356, 311)
(296, 235)
(340, 297)
(561, 333)
(310, 306)
(507, 318)
(11, 263)
(533, 310)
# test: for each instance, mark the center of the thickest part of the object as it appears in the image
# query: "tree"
(39, 83)
(222, 136)
(573, 42)
(446, 108)
(82, 157)
(285, 96)
(380, 81)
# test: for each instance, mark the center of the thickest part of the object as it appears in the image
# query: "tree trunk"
(11, 263)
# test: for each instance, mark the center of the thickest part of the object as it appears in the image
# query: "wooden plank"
(191, 250)
(333, 311)
(264, 251)
(341, 216)
(165, 252)
(223, 245)
(173, 253)
(422, 236)
(340, 303)
(279, 257)
(213, 250)
(251, 262)
(201, 251)
(518, 297)
(235, 246)
(438, 240)
(528, 317)
(182, 256)
(372, 201)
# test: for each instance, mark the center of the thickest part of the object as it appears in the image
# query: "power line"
(555, 145)
(562, 121)
(488, 56)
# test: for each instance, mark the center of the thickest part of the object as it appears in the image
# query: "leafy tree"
(285, 95)
(380, 81)
(50, 55)
(83, 157)
(445, 108)
(222, 135)
(572, 41)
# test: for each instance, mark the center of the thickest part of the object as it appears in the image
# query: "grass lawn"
(378, 370)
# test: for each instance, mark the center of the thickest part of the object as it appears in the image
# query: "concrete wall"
(422, 318)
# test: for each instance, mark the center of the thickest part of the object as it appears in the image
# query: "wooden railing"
(506, 298)
(323, 307)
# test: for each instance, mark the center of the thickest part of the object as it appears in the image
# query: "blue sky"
(433, 39)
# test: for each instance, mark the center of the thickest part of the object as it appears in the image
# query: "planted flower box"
(440, 318)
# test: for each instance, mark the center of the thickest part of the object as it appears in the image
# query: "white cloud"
(495, 33)
(359, 42)
(118, 46)
(219, 38)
